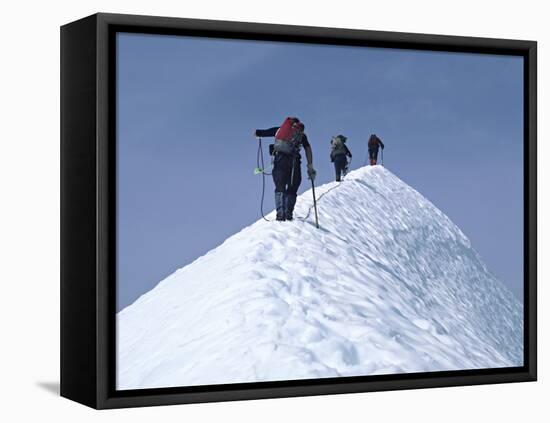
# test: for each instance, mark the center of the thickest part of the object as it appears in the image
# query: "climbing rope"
(318, 199)
(260, 165)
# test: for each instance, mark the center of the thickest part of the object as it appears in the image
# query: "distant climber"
(373, 145)
(287, 172)
(339, 154)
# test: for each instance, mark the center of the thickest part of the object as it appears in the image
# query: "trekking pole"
(382, 157)
(315, 204)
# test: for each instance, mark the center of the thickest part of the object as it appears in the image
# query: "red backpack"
(373, 141)
(290, 131)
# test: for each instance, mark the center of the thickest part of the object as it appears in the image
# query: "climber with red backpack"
(287, 172)
(373, 145)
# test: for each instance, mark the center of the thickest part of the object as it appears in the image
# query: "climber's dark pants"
(340, 163)
(287, 176)
(373, 154)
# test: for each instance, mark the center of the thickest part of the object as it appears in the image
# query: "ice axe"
(314, 203)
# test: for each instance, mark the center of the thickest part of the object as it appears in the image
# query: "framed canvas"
(256, 211)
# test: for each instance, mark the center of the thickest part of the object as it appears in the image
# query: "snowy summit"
(388, 284)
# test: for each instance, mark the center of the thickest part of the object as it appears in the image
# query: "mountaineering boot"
(280, 205)
(289, 206)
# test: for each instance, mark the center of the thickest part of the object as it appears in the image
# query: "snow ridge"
(388, 284)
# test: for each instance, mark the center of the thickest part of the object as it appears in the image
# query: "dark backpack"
(338, 145)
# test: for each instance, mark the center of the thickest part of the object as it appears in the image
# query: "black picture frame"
(88, 211)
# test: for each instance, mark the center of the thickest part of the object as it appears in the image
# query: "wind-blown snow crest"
(388, 284)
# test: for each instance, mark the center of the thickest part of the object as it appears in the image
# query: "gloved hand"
(311, 173)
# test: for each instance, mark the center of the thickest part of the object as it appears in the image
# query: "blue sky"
(452, 124)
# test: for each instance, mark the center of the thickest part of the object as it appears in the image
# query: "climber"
(287, 173)
(373, 144)
(339, 154)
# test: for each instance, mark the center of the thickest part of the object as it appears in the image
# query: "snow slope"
(387, 285)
